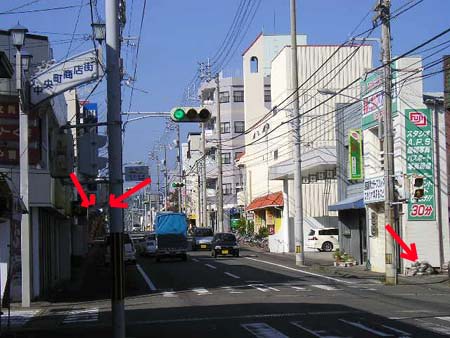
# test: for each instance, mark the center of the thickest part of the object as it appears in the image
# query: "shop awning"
(271, 200)
(354, 202)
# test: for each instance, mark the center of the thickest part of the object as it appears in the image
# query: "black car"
(224, 244)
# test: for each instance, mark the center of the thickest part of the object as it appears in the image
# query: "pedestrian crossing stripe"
(81, 315)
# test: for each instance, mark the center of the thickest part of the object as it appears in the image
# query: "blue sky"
(177, 34)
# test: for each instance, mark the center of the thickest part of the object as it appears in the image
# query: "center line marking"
(211, 266)
(231, 275)
(146, 278)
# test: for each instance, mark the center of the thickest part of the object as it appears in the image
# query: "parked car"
(129, 252)
(325, 239)
(201, 238)
(224, 244)
(150, 245)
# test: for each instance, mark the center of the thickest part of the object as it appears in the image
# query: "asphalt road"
(255, 295)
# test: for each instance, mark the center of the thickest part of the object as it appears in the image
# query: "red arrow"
(85, 202)
(410, 253)
(117, 202)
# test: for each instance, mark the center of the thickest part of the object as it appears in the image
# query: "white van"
(324, 239)
(129, 252)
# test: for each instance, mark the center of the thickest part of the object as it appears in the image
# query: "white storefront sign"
(374, 190)
(65, 75)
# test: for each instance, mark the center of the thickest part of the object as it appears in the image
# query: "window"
(227, 188)
(211, 183)
(239, 126)
(224, 97)
(224, 127)
(211, 152)
(237, 154)
(312, 178)
(329, 232)
(226, 158)
(321, 175)
(211, 124)
(267, 96)
(238, 187)
(253, 64)
(238, 96)
(275, 154)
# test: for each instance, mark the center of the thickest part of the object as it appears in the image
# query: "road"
(255, 295)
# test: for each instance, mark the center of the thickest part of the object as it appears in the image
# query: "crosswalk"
(18, 318)
(81, 316)
(255, 286)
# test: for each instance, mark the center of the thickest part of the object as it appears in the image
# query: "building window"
(227, 188)
(211, 183)
(238, 187)
(211, 124)
(239, 126)
(275, 154)
(312, 178)
(238, 96)
(226, 158)
(267, 96)
(253, 64)
(224, 127)
(211, 152)
(224, 97)
(237, 154)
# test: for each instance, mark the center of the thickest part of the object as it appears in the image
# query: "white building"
(269, 153)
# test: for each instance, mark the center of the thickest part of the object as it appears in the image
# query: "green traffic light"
(179, 114)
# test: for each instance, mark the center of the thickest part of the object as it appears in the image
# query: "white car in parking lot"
(324, 239)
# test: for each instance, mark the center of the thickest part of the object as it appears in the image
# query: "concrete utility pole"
(180, 168)
(389, 204)
(204, 204)
(298, 198)
(115, 164)
(166, 189)
(219, 199)
(158, 184)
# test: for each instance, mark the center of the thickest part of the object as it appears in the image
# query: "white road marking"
(195, 260)
(299, 288)
(302, 271)
(169, 294)
(201, 291)
(231, 275)
(258, 287)
(366, 328)
(146, 278)
(434, 327)
(18, 318)
(396, 330)
(231, 290)
(444, 318)
(211, 266)
(317, 334)
(273, 289)
(81, 315)
(263, 330)
(325, 287)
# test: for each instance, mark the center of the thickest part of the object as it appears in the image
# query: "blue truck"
(171, 235)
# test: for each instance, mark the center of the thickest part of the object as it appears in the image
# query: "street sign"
(374, 190)
(136, 173)
(65, 75)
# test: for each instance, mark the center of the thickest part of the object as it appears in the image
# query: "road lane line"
(169, 294)
(301, 271)
(230, 289)
(201, 291)
(396, 330)
(366, 328)
(211, 266)
(433, 327)
(257, 287)
(273, 289)
(195, 260)
(318, 334)
(146, 278)
(299, 288)
(231, 275)
(325, 287)
(444, 318)
(263, 330)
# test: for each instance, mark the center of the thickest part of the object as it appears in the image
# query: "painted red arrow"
(410, 253)
(85, 202)
(117, 202)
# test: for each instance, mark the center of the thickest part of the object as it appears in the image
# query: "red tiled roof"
(271, 200)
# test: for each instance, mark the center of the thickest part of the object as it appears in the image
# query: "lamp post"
(18, 38)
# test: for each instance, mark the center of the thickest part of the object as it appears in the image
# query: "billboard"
(136, 173)
(355, 160)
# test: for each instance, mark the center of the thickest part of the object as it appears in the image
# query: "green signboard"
(419, 162)
(355, 162)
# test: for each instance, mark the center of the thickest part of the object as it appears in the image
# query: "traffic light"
(89, 163)
(418, 190)
(177, 184)
(190, 114)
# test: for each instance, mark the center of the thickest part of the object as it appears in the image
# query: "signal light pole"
(219, 200)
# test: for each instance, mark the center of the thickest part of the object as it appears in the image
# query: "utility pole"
(220, 224)
(158, 184)
(203, 180)
(298, 197)
(115, 164)
(389, 205)
(180, 169)
(166, 189)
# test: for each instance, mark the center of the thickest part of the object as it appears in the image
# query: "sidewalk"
(322, 262)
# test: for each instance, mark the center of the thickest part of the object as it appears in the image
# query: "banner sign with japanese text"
(136, 173)
(419, 161)
(374, 190)
(355, 160)
(65, 75)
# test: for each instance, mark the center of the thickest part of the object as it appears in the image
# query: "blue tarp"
(354, 202)
(170, 223)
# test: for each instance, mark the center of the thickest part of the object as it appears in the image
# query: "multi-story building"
(232, 127)
(269, 143)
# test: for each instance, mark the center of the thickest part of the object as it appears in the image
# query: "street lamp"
(22, 63)
(26, 60)
(99, 31)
